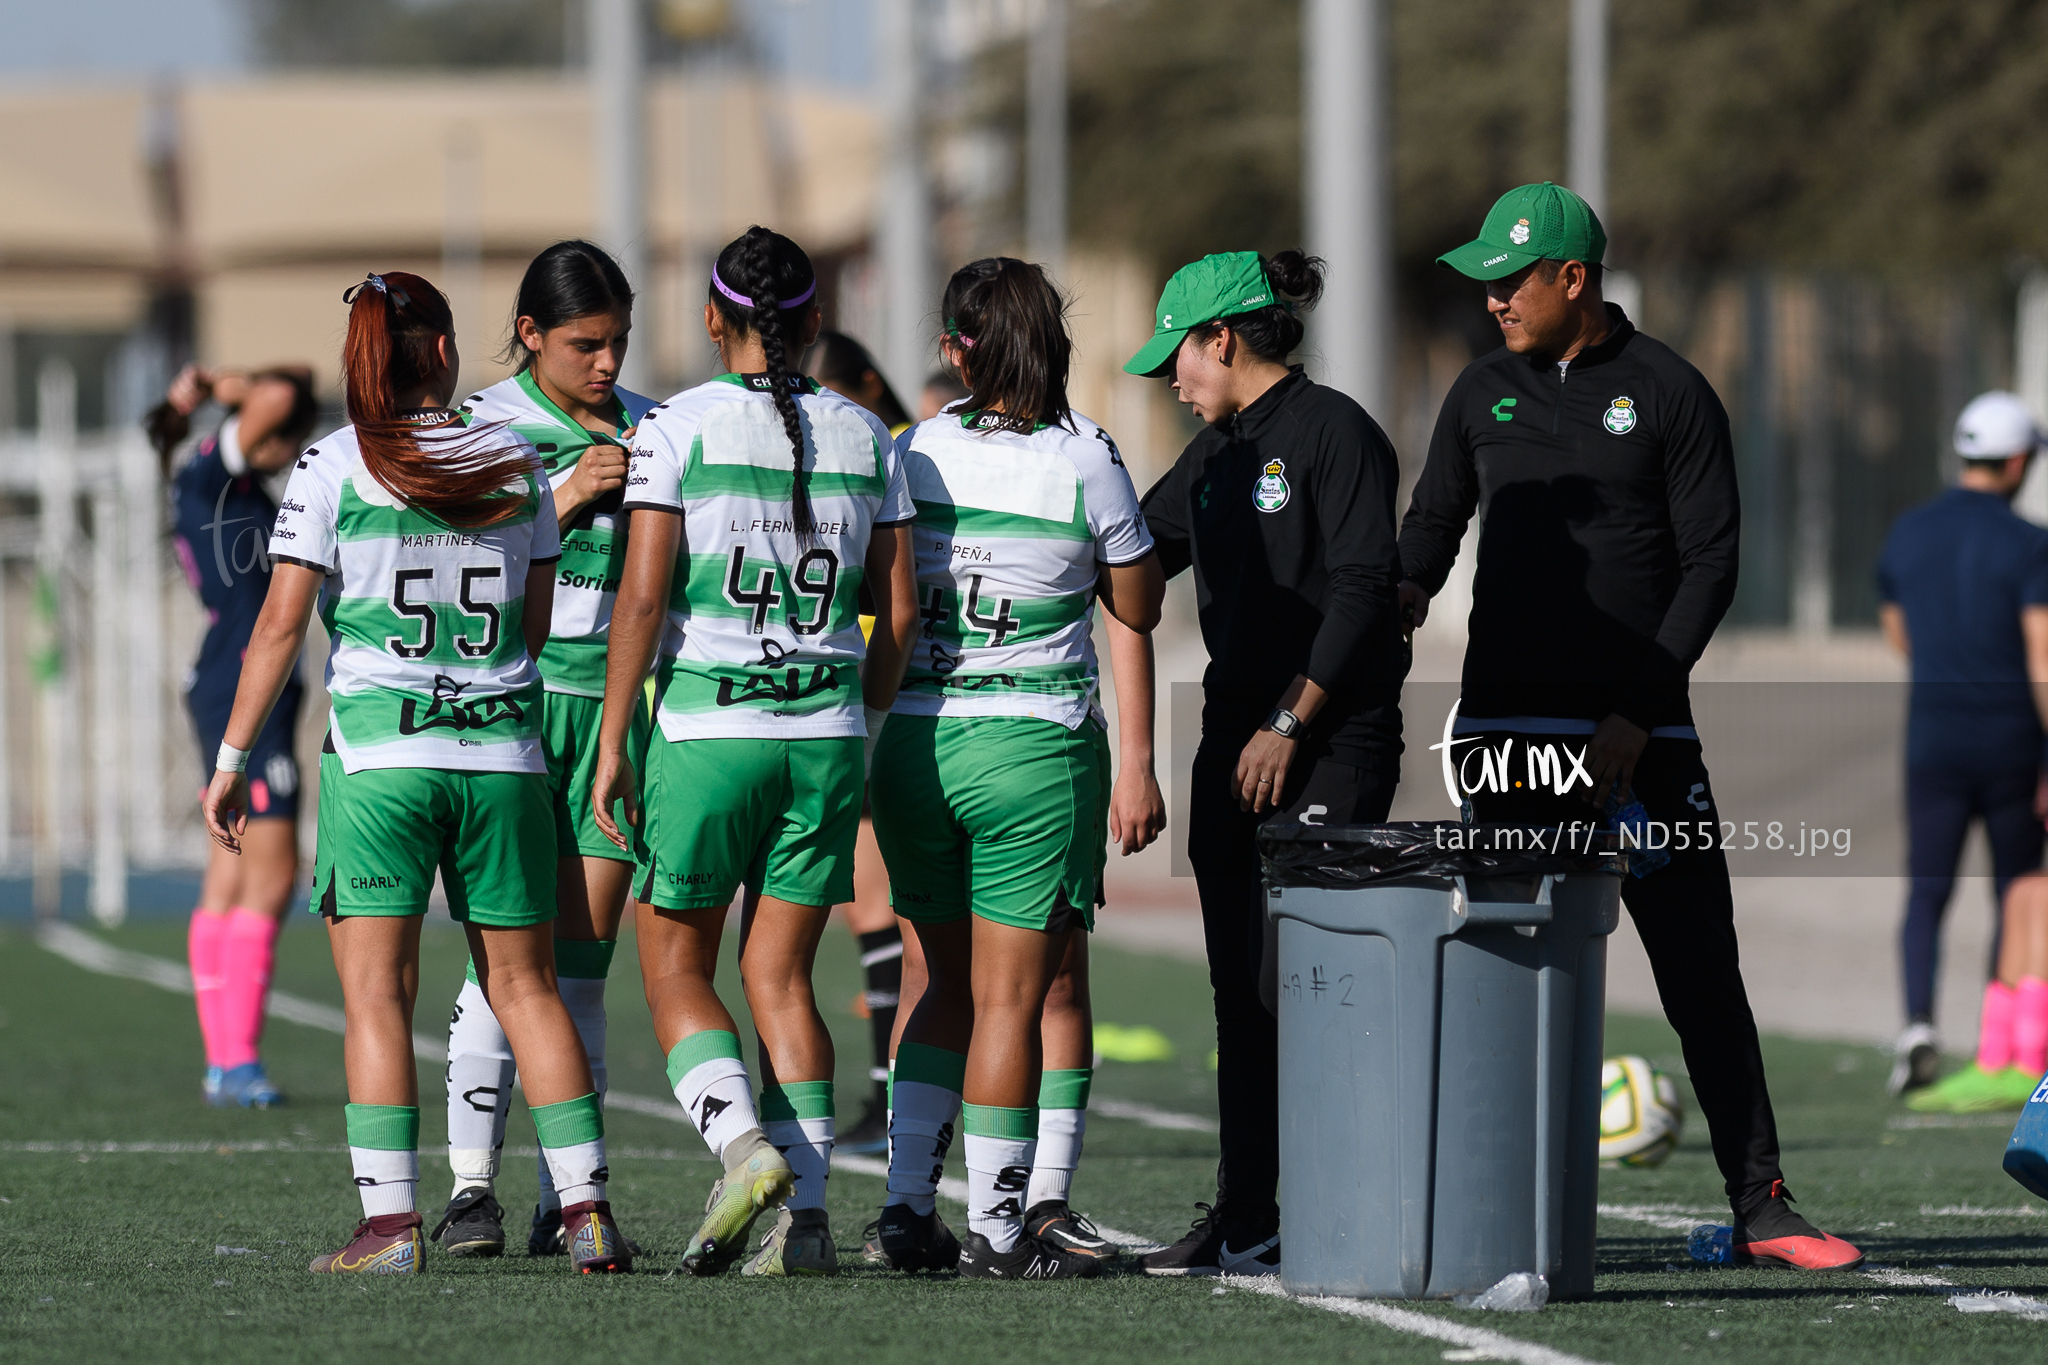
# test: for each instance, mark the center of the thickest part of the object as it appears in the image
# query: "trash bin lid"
(1403, 850)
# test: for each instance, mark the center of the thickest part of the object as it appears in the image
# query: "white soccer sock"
(998, 1172)
(388, 1181)
(711, 1082)
(1059, 1152)
(480, 1074)
(807, 1145)
(578, 1172)
(921, 1126)
(585, 998)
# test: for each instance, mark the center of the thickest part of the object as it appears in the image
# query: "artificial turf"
(117, 1255)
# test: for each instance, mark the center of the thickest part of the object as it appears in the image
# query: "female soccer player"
(992, 777)
(221, 516)
(574, 312)
(844, 366)
(432, 550)
(760, 504)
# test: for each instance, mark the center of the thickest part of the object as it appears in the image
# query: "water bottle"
(1632, 829)
(1712, 1244)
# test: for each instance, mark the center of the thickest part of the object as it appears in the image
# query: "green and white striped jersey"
(426, 661)
(593, 544)
(1011, 531)
(763, 636)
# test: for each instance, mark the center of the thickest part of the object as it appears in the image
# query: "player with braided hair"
(760, 504)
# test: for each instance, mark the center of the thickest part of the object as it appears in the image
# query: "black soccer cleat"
(1214, 1246)
(545, 1237)
(910, 1241)
(473, 1224)
(1029, 1259)
(1053, 1222)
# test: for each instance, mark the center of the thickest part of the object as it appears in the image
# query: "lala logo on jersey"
(1621, 417)
(448, 711)
(1270, 494)
(765, 687)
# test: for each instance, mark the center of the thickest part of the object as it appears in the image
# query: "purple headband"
(743, 301)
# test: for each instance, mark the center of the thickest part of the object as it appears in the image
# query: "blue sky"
(822, 39)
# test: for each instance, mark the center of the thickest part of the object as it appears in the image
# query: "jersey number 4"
(1000, 626)
(423, 612)
(816, 576)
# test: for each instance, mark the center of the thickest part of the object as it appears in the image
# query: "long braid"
(767, 280)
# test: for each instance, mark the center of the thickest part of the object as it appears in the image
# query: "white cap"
(1995, 426)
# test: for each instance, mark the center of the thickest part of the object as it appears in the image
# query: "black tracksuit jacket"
(1295, 569)
(1608, 534)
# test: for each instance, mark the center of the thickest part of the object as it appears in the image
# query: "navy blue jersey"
(1963, 567)
(221, 524)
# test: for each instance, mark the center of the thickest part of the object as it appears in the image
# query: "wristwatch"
(1284, 723)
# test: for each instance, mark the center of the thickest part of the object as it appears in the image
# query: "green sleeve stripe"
(796, 1100)
(570, 1123)
(583, 959)
(699, 1048)
(923, 1064)
(1065, 1089)
(383, 1127)
(992, 1120)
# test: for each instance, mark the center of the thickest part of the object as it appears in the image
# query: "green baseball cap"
(1219, 286)
(1531, 223)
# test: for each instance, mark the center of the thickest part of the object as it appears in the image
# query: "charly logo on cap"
(1621, 417)
(1271, 492)
(1519, 233)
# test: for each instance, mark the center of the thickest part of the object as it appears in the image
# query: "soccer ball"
(1640, 1113)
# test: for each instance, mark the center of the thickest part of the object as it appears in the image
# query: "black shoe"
(1053, 1222)
(472, 1225)
(910, 1241)
(1214, 1246)
(869, 1137)
(545, 1237)
(1029, 1259)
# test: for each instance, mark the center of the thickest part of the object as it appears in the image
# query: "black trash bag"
(1344, 856)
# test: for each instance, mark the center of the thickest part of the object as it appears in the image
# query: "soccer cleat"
(1974, 1090)
(759, 1178)
(1054, 1223)
(1773, 1235)
(244, 1085)
(1029, 1259)
(473, 1224)
(910, 1242)
(800, 1243)
(545, 1237)
(1916, 1060)
(388, 1244)
(595, 1245)
(869, 1137)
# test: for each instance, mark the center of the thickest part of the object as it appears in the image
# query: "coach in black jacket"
(1601, 465)
(1284, 508)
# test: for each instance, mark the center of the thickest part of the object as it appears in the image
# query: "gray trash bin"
(1440, 1048)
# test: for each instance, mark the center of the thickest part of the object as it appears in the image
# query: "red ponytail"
(459, 474)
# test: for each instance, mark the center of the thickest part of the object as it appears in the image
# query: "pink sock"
(2030, 1027)
(205, 947)
(249, 954)
(1995, 1027)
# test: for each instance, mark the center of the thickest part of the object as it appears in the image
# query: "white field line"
(88, 952)
(2033, 1310)
(1906, 1123)
(1891, 1277)
(1972, 1211)
(1673, 1217)
(1495, 1345)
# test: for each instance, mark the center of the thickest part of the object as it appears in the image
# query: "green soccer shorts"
(780, 815)
(384, 832)
(568, 734)
(1004, 817)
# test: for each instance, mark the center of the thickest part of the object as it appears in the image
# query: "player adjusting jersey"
(1011, 532)
(763, 637)
(593, 543)
(427, 662)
